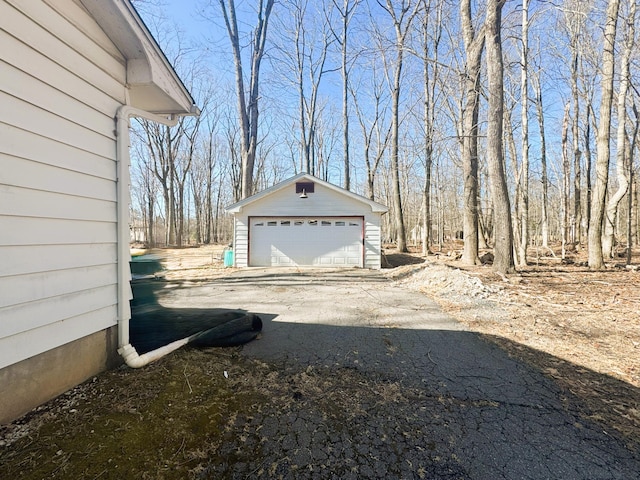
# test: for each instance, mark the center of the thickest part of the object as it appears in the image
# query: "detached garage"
(305, 221)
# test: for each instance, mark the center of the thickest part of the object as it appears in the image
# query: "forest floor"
(580, 328)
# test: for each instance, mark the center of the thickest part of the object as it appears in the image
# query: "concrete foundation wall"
(32, 382)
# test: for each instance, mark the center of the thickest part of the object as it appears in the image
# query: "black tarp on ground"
(153, 326)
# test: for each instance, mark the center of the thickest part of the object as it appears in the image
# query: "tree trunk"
(247, 107)
(402, 29)
(575, 236)
(596, 260)
(503, 249)
(345, 98)
(401, 239)
(151, 241)
(623, 152)
(634, 139)
(635, 194)
(474, 45)
(346, 13)
(431, 70)
(588, 164)
(511, 148)
(544, 220)
(566, 181)
(524, 100)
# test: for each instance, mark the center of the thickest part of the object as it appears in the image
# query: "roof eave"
(154, 85)
(238, 206)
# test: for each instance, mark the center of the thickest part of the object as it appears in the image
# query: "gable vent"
(306, 187)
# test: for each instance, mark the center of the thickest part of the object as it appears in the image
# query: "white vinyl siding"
(20, 259)
(37, 24)
(241, 244)
(63, 81)
(35, 341)
(372, 242)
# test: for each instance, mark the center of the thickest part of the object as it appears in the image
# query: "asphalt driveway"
(427, 398)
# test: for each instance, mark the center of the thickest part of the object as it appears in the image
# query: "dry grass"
(191, 263)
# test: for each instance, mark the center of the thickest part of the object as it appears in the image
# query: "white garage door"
(319, 241)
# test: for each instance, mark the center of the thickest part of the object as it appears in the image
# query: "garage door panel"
(316, 241)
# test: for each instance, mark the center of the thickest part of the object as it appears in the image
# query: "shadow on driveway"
(416, 395)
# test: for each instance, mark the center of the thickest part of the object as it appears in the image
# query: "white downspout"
(125, 348)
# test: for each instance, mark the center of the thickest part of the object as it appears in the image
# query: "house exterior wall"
(323, 202)
(62, 83)
(37, 379)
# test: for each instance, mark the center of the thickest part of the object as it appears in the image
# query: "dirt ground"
(579, 327)
(588, 322)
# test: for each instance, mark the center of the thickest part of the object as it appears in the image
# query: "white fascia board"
(238, 206)
(153, 83)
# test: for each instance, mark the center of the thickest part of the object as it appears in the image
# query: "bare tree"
(623, 150)
(375, 135)
(232, 136)
(544, 220)
(503, 233)
(204, 175)
(596, 260)
(566, 182)
(402, 15)
(589, 115)
(474, 45)
(145, 189)
(632, 146)
(346, 12)
(162, 144)
(431, 37)
(524, 167)
(247, 100)
(574, 19)
(327, 141)
(302, 48)
(512, 153)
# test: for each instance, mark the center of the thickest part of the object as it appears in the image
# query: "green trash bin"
(228, 257)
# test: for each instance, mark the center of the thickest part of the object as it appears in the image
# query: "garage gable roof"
(237, 207)
(154, 85)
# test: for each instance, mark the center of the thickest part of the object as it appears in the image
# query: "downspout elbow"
(134, 360)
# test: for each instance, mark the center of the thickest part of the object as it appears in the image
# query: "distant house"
(305, 221)
(72, 73)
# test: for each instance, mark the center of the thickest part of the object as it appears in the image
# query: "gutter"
(128, 351)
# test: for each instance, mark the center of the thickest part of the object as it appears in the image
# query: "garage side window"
(298, 222)
(326, 223)
(313, 222)
(285, 223)
(272, 224)
(259, 224)
(354, 224)
(339, 224)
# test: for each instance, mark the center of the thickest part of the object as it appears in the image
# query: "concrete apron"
(502, 420)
